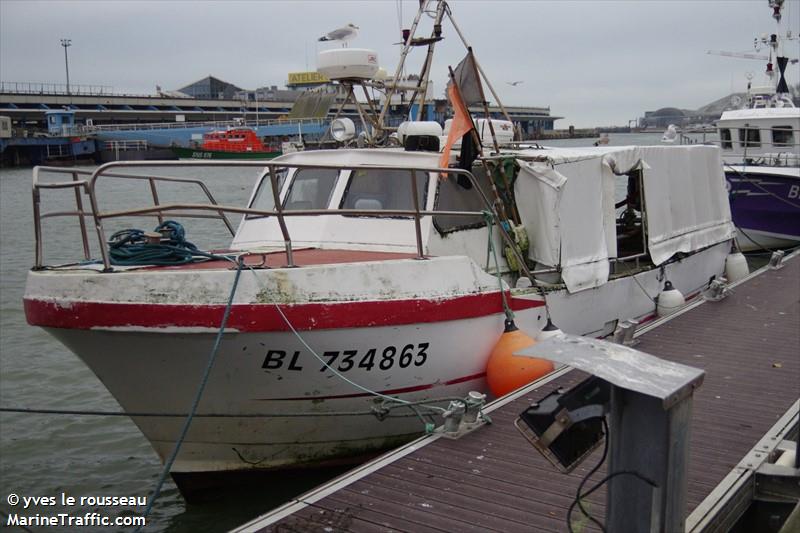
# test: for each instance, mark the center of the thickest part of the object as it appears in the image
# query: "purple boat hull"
(765, 206)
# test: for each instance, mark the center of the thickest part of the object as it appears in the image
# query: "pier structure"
(104, 120)
(742, 434)
(186, 133)
(26, 104)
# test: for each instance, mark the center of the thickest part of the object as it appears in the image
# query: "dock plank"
(492, 480)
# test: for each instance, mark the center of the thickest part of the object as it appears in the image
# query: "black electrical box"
(566, 426)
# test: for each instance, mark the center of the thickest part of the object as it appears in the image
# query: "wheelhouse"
(762, 136)
(373, 194)
(584, 214)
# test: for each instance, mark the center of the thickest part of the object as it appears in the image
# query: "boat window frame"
(297, 171)
(788, 142)
(283, 178)
(437, 219)
(422, 190)
(745, 132)
(725, 139)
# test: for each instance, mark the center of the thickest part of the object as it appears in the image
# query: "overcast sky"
(595, 62)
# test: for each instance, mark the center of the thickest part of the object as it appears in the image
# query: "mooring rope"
(387, 399)
(198, 395)
(766, 191)
(131, 247)
(489, 217)
(345, 378)
(751, 181)
(91, 412)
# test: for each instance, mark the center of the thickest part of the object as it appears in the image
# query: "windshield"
(311, 188)
(263, 199)
(379, 189)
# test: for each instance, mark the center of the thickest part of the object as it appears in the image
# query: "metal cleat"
(623, 333)
(717, 290)
(776, 260)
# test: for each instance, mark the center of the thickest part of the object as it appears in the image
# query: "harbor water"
(47, 455)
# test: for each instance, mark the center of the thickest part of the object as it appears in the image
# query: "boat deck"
(493, 480)
(302, 257)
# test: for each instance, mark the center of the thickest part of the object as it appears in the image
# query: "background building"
(705, 115)
(210, 88)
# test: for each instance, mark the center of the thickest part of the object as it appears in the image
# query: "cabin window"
(379, 189)
(263, 199)
(750, 137)
(458, 194)
(782, 136)
(311, 188)
(725, 139)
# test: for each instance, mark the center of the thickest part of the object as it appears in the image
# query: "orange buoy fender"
(505, 371)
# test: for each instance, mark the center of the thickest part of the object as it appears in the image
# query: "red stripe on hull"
(403, 390)
(265, 317)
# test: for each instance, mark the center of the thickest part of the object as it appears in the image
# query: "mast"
(401, 64)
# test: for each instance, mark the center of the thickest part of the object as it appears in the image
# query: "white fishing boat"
(760, 140)
(400, 304)
(358, 289)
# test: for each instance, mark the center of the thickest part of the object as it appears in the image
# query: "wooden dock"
(493, 480)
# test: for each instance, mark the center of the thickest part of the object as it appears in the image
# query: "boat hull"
(765, 205)
(595, 312)
(199, 153)
(415, 330)
(312, 416)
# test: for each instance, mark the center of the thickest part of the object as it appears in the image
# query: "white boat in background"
(760, 142)
(357, 285)
(670, 135)
(762, 165)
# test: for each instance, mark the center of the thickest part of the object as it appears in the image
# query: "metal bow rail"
(213, 209)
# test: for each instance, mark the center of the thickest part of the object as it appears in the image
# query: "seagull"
(515, 83)
(341, 34)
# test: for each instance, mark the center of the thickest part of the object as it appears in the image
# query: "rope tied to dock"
(389, 402)
(379, 411)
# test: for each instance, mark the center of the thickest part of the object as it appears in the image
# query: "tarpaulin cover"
(566, 202)
(563, 215)
(685, 197)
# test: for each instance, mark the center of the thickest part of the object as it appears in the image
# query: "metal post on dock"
(648, 442)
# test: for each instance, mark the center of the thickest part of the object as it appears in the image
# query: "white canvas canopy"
(566, 202)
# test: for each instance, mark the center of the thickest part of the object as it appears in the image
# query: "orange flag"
(461, 125)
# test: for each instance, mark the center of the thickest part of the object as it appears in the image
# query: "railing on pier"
(57, 150)
(29, 87)
(216, 124)
(138, 145)
(87, 187)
